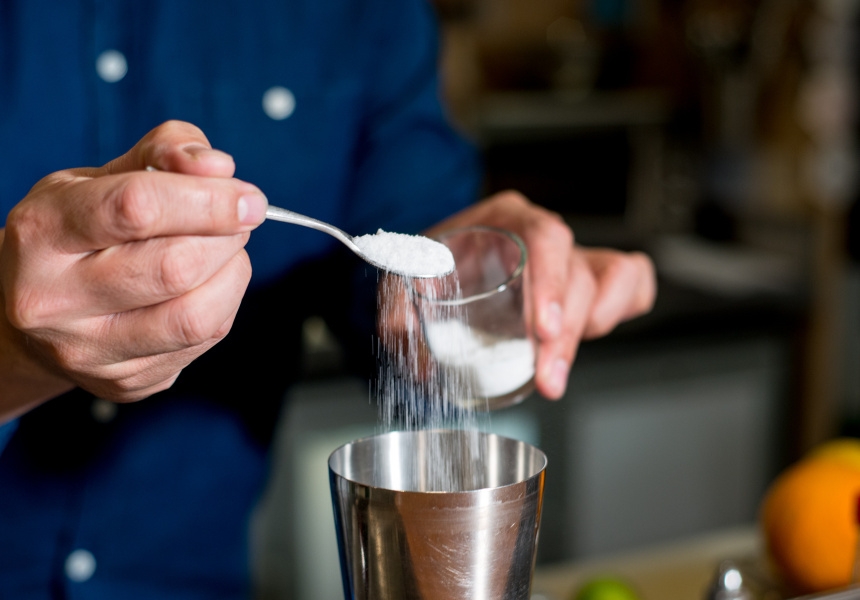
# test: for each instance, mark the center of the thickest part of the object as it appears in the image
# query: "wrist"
(25, 380)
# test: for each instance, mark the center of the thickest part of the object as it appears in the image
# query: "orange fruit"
(845, 450)
(808, 519)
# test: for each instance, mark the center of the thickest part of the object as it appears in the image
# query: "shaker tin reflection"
(437, 514)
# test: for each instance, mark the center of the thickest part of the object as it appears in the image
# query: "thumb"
(175, 146)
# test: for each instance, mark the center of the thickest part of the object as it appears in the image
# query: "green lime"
(605, 588)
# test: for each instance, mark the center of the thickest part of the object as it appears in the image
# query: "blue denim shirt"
(330, 107)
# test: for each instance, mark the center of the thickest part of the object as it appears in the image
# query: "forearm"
(24, 381)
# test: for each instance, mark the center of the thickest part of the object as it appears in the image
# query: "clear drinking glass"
(478, 335)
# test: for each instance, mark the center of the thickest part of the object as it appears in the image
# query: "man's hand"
(576, 292)
(115, 278)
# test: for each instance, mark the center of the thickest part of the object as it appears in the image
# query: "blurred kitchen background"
(720, 137)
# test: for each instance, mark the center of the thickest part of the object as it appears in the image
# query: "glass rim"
(515, 274)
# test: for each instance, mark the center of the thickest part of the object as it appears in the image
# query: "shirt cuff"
(6, 431)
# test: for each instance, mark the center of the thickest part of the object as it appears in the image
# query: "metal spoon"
(276, 213)
(287, 216)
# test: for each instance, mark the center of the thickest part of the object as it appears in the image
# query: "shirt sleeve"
(6, 431)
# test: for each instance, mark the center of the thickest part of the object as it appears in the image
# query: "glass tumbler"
(475, 323)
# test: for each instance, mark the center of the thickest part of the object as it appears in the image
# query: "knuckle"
(29, 223)
(618, 268)
(135, 213)
(546, 223)
(140, 378)
(600, 325)
(177, 125)
(134, 388)
(162, 138)
(165, 130)
(26, 312)
(558, 229)
(123, 391)
(636, 271)
(176, 273)
(171, 124)
(645, 264)
(221, 332)
(648, 287)
(24, 226)
(244, 267)
(72, 359)
(191, 328)
(513, 197)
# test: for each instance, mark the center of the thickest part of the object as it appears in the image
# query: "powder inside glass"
(494, 366)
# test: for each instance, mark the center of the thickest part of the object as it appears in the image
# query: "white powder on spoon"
(410, 255)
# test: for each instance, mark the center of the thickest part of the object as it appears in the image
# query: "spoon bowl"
(391, 255)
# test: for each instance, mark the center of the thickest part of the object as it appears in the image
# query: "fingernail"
(198, 151)
(552, 320)
(195, 150)
(252, 208)
(556, 377)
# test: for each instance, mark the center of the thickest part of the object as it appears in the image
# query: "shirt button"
(80, 566)
(278, 103)
(103, 411)
(111, 66)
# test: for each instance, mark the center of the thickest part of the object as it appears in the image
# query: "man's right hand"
(115, 278)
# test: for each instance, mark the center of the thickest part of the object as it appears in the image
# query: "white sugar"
(410, 255)
(416, 393)
(442, 388)
(492, 365)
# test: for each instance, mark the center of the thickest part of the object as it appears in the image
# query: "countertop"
(680, 570)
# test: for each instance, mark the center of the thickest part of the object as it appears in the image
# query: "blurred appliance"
(596, 159)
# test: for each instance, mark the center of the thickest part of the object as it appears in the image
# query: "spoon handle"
(277, 213)
(287, 216)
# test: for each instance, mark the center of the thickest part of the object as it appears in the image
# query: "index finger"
(114, 209)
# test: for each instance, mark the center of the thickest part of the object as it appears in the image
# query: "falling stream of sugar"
(414, 392)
